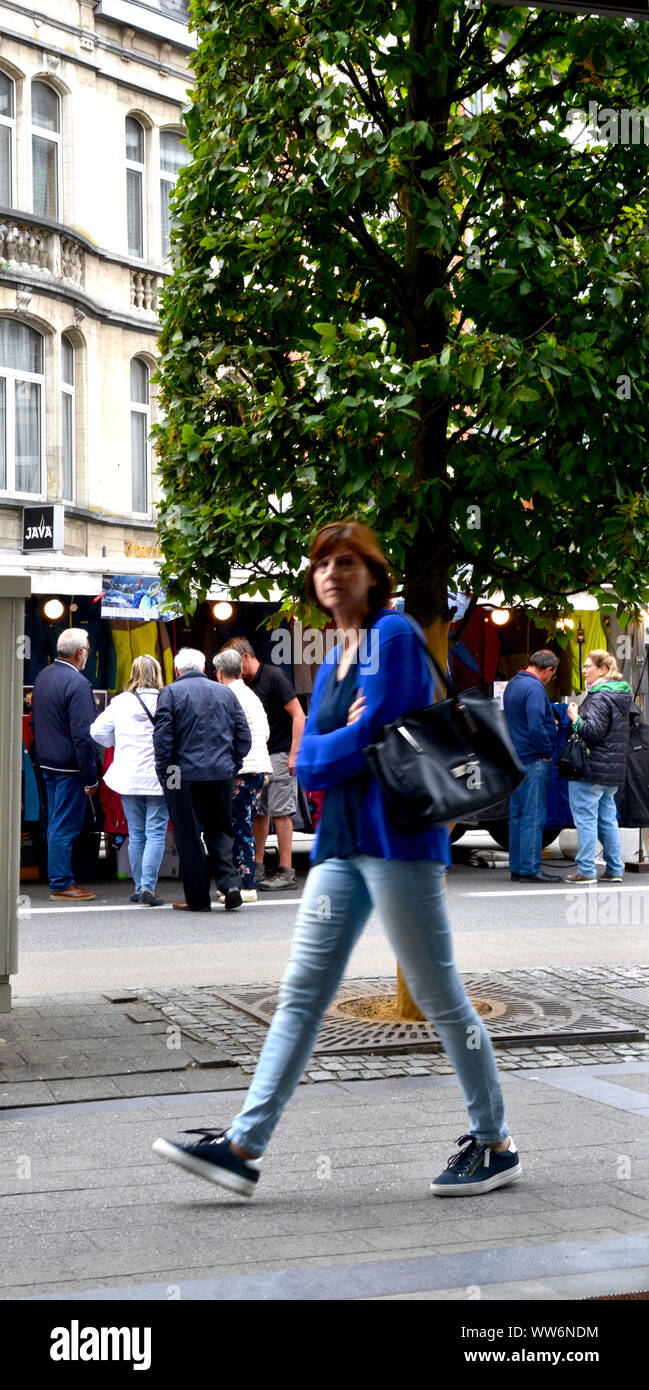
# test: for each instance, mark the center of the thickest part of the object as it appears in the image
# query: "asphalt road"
(498, 925)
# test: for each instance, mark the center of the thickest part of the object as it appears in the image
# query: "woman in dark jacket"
(602, 721)
(361, 861)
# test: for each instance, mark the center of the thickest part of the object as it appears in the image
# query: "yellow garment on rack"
(594, 640)
(137, 639)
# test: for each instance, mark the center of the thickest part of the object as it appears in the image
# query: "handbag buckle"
(409, 738)
(468, 719)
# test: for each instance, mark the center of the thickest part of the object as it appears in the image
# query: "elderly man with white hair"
(200, 739)
(63, 708)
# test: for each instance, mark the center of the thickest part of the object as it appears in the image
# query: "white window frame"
(10, 121)
(140, 169)
(12, 375)
(68, 390)
(140, 408)
(42, 133)
(166, 176)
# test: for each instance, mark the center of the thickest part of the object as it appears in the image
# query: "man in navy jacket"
(63, 708)
(533, 731)
(200, 739)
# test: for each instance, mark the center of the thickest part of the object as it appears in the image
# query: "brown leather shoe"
(75, 892)
(184, 907)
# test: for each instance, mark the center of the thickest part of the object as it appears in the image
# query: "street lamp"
(581, 638)
(53, 610)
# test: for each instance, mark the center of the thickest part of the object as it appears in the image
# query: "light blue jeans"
(338, 898)
(595, 816)
(147, 818)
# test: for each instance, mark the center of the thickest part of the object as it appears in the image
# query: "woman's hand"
(357, 708)
(573, 711)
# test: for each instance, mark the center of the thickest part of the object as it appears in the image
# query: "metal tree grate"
(522, 1015)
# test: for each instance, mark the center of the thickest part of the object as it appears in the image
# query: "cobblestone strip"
(203, 1015)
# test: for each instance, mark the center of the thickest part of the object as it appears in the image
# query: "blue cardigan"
(395, 679)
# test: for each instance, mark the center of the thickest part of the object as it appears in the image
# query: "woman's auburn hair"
(360, 539)
(146, 674)
(606, 662)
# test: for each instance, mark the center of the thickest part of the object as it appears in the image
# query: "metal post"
(14, 590)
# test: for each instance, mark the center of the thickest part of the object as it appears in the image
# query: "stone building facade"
(91, 102)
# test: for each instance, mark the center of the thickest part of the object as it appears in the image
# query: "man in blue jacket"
(200, 739)
(63, 708)
(533, 731)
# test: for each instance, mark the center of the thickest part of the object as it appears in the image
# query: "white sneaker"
(248, 895)
(220, 897)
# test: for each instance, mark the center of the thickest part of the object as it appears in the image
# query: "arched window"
(173, 155)
(7, 140)
(21, 408)
(67, 419)
(140, 425)
(135, 172)
(46, 150)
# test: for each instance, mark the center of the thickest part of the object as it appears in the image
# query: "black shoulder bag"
(446, 762)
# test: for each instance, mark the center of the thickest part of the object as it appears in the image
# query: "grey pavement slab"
(343, 1208)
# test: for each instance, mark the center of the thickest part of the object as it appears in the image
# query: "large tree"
(410, 285)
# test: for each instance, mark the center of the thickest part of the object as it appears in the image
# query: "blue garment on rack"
(31, 799)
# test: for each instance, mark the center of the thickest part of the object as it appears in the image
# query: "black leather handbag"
(573, 759)
(446, 762)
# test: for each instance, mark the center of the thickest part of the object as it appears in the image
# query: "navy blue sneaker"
(212, 1158)
(477, 1168)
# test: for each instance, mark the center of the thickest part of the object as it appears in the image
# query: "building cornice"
(82, 514)
(89, 308)
(66, 56)
(71, 234)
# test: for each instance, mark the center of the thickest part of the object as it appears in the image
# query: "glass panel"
(28, 436)
(5, 165)
(67, 403)
(138, 460)
(134, 140)
(67, 362)
(20, 347)
(166, 190)
(6, 95)
(45, 106)
(173, 154)
(134, 212)
(139, 381)
(3, 432)
(44, 173)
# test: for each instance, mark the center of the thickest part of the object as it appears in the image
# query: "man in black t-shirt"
(279, 798)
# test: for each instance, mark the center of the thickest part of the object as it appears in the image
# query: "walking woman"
(602, 720)
(127, 724)
(361, 861)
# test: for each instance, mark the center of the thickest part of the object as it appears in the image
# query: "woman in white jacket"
(127, 725)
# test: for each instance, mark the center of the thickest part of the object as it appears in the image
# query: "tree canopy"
(411, 285)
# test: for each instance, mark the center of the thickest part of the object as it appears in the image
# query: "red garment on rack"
(115, 822)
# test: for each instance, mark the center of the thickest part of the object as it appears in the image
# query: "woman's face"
(341, 579)
(592, 672)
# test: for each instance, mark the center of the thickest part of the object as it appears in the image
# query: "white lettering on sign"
(42, 532)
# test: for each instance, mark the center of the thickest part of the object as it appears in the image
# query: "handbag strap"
(145, 707)
(432, 661)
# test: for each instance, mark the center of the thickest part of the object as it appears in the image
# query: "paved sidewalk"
(343, 1208)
